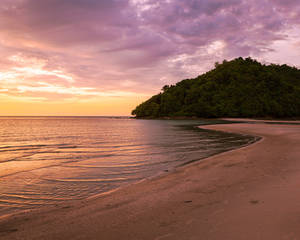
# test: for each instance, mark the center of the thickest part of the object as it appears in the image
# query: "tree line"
(237, 88)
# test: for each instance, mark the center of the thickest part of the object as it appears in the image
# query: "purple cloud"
(134, 45)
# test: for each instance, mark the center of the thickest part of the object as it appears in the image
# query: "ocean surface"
(49, 160)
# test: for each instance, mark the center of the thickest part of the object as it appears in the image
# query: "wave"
(48, 160)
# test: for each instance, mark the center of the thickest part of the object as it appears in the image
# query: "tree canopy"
(237, 88)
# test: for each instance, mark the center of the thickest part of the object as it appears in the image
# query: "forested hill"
(237, 88)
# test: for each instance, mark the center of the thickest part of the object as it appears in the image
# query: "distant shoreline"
(162, 118)
(223, 118)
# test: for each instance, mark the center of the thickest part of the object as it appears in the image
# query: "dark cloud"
(64, 21)
(139, 45)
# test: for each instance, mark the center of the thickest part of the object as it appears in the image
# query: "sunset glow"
(89, 57)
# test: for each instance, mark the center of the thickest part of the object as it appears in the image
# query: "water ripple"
(50, 160)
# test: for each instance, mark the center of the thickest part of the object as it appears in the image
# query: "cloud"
(132, 46)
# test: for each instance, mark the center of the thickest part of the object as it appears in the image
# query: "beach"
(248, 193)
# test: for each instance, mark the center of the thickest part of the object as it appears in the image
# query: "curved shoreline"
(154, 176)
(249, 187)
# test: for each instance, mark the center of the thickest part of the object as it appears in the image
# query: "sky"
(104, 57)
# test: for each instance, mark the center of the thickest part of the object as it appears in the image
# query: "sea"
(51, 160)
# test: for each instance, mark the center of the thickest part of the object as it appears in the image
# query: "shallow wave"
(49, 160)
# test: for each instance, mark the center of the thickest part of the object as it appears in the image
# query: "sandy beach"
(249, 193)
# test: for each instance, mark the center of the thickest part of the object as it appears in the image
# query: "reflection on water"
(46, 160)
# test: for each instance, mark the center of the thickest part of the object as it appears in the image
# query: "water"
(48, 160)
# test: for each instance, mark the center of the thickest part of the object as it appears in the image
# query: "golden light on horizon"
(30, 87)
(105, 106)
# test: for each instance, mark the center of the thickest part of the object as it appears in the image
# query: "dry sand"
(249, 193)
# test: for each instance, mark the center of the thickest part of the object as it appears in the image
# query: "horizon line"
(65, 115)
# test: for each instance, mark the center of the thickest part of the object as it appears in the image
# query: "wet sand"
(249, 193)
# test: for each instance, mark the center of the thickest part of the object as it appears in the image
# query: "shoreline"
(185, 203)
(152, 177)
(235, 119)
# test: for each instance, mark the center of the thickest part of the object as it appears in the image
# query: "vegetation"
(237, 88)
